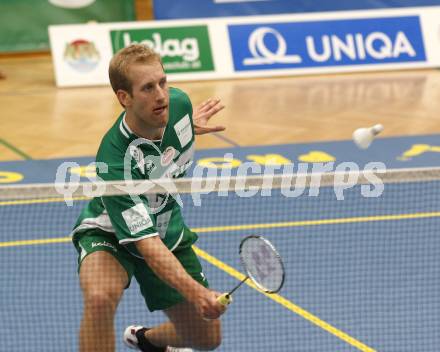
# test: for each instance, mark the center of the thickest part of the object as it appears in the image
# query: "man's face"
(149, 100)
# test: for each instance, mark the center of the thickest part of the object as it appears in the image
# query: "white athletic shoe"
(131, 340)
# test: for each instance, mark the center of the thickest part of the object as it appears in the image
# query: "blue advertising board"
(394, 152)
(368, 41)
(171, 9)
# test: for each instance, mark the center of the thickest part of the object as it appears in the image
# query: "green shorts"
(157, 294)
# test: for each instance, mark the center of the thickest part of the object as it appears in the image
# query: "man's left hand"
(202, 115)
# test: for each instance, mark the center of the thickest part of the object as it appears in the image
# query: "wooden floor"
(42, 121)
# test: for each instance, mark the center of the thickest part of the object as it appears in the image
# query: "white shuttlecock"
(363, 137)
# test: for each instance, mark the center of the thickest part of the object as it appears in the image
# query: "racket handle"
(225, 299)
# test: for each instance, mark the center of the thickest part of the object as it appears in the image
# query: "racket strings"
(262, 264)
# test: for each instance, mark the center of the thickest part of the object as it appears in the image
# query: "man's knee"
(211, 338)
(102, 281)
(211, 343)
(101, 303)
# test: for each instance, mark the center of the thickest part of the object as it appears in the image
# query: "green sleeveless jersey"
(124, 156)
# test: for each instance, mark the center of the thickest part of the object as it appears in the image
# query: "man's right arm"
(132, 223)
(166, 266)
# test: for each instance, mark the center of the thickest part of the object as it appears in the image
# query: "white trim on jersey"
(124, 123)
(131, 240)
(126, 131)
(83, 253)
(102, 222)
(121, 128)
(177, 242)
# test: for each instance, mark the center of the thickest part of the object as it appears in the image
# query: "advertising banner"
(327, 43)
(23, 23)
(183, 49)
(171, 9)
(260, 46)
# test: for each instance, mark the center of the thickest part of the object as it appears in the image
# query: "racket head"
(262, 263)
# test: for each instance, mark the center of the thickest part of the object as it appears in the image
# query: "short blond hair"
(121, 61)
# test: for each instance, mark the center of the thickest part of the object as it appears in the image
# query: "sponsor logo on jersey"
(180, 170)
(184, 131)
(138, 156)
(104, 244)
(81, 55)
(327, 43)
(137, 218)
(167, 156)
(162, 222)
(149, 167)
(183, 49)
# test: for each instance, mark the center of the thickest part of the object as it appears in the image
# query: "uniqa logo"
(187, 48)
(262, 55)
(358, 46)
(136, 226)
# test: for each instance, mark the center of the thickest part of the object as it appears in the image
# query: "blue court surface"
(362, 274)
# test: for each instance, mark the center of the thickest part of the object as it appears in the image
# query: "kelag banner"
(23, 23)
(172, 9)
(183, 49)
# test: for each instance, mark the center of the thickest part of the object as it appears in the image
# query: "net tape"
(213, 184)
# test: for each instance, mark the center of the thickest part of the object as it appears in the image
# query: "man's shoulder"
(112, 145)
(180, 110)
(179, 99)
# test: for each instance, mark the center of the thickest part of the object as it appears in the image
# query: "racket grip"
(225, 299)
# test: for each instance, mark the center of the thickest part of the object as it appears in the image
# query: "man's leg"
(102, 281)
(186, 329)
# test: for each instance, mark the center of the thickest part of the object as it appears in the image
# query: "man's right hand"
(207, 305)
(168, 268)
